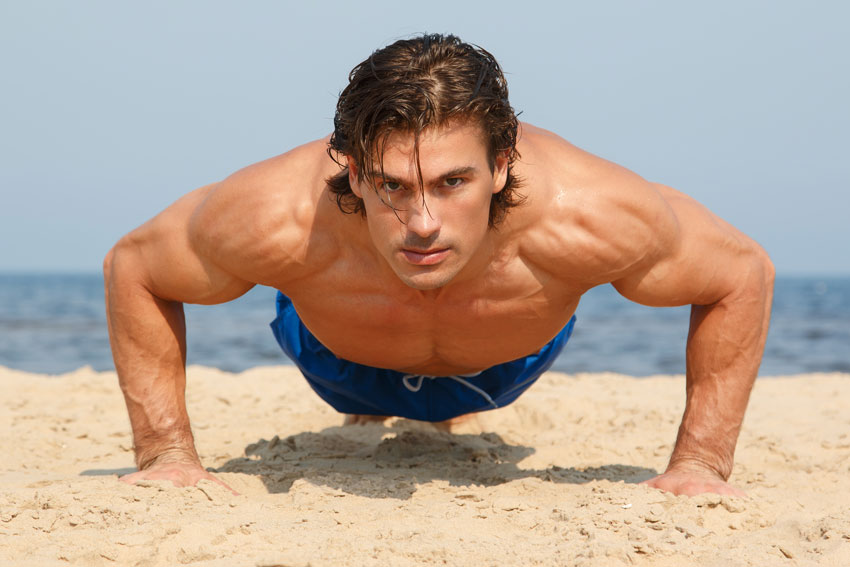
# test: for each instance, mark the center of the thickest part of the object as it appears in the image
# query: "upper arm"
(217, 242)
(594, 222)
(167, 257)
(690, 256)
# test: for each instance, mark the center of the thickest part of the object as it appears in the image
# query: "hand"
(693, 481)
(180, 471)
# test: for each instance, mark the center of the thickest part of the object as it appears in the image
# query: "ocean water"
(55, 323)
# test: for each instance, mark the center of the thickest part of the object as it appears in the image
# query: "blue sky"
(110, 111)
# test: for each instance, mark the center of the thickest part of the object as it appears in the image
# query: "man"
(430, 255)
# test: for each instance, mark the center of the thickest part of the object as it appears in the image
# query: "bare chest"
(459, 333)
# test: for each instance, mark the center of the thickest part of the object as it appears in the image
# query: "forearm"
(725, 346)
(147, 335)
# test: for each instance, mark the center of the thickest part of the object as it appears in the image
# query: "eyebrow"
(456, 172)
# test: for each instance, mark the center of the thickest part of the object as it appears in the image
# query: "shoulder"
(552, 165)
(259, 222)
(587, 219)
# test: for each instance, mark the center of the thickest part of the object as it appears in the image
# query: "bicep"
(166, 256)
(697, 258)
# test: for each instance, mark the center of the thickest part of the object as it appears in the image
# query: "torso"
(467, 329)
(520, 301)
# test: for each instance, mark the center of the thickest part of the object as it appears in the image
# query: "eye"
(390, 186)
(454, 181)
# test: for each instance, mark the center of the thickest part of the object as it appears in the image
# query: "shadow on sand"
(406, 454)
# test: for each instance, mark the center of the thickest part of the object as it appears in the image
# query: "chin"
(427, 281)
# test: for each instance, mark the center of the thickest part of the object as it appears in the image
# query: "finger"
(653, 482)
(131, 478)
(730, 490)
(177, 479)
(222, 483)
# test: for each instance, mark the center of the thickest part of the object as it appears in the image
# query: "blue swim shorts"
(355, 388)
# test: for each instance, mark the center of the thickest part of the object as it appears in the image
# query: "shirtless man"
(430, 255)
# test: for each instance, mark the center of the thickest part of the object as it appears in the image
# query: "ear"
(500, 172)
(352, 176)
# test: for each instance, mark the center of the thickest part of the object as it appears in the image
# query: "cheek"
(384, 228)
(477, 209)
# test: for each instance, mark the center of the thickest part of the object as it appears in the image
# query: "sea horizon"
(54, 322)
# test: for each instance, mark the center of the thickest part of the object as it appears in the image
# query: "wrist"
(168, 455)
(699, 465)
(175, 444)
(699, 450)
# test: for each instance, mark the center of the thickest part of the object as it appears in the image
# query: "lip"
(425, 257)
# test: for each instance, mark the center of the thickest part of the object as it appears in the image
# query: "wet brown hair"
(413, 84)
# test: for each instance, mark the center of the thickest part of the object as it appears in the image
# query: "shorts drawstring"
(420, 378)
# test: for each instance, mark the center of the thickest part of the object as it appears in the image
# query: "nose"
(424, 219)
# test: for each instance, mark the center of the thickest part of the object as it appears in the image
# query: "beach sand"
(553, 480)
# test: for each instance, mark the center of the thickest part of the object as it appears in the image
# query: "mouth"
(425, 257)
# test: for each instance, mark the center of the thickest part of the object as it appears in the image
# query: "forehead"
(440, 147)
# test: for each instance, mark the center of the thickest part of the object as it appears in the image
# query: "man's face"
(428, 239)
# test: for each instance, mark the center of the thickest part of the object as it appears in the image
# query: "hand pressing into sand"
(181, 471)
(690, 482)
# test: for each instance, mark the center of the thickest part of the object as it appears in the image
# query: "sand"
(552, 480)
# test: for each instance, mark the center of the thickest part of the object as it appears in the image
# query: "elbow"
(771, 274)
(108, 260)
(111, 260)
(120, 261)
(762, 274)
(766, 269)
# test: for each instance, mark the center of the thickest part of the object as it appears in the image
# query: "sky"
(112, 110)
